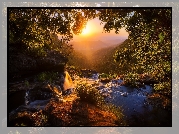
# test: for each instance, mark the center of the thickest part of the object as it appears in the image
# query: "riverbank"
(45, 105)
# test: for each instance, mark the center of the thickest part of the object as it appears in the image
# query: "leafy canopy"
(148, 48)
(34, 26)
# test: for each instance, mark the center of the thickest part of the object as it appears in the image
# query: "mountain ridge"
(95, 45)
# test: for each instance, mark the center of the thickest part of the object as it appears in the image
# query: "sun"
(86, 31)
(90, 28)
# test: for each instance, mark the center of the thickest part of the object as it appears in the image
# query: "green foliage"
(26, 83)
(47, 76)
(35, 26)
(116, 111)
(103, 75)
(131, 79)
(37, 30)
(103, 60)
(37, 52)
(89, 94)
(78, 60)
(163, 86)
(148, 48)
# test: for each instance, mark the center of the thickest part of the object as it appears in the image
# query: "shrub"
(162, 86)
(116, 111)
(47, 76)
(103, 75)
(26, 83)
(89, 94)
(131, 79)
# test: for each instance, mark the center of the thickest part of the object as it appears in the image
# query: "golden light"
(86, 30)
(93, 30)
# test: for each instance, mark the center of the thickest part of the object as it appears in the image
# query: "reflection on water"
(134, 102)
(27, 99)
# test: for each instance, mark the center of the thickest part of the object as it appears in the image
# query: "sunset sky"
(94, 31)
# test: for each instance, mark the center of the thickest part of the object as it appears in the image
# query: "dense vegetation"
(34, 42)
(39, 42)
(149, 31)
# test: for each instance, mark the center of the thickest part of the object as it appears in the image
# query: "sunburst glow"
(94, 31)
(86, 30)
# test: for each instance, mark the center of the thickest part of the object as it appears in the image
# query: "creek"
(135, 103)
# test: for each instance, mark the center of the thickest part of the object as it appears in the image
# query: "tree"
(34, 26)
(39, 38)
(149, 47)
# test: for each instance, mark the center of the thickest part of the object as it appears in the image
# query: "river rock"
(124, 94)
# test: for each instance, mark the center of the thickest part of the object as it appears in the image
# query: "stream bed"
(136, 104)
(139, 105)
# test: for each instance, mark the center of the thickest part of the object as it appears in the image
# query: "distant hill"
(103, 60)
(87, 45)
(97, 55)
(115, 41)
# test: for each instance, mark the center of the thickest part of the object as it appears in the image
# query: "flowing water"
(133, 101)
